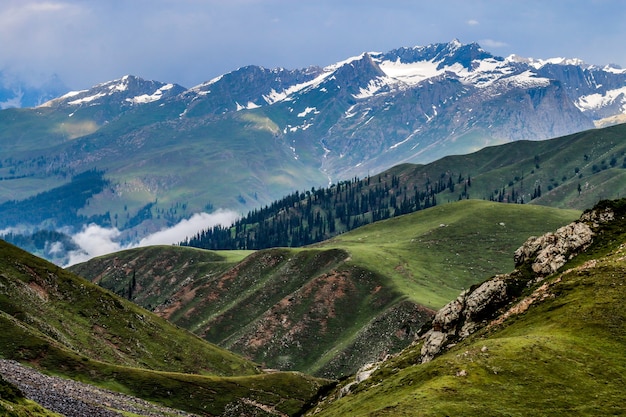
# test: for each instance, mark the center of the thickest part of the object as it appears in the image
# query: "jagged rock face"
(596, 217)
(461, 317)
(475, 307)
(480, 303)
(550, 251)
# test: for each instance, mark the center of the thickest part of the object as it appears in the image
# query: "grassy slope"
(433, 254)
(159, 271)
(557, 166)
(67, 326)
(284, 308)
(86, 319)
(563, 356)
(328, 309)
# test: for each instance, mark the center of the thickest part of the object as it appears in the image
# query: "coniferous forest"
(303, 218)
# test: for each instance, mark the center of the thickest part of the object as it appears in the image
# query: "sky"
(86, 42)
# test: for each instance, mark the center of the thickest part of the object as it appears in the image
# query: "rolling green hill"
(64, 325)
(560, 349)
(328, 309)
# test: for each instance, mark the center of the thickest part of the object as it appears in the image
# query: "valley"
(328, 309)
(572, 313)
(429, 230)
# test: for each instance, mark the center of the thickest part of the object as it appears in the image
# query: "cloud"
(94, 240)
(490, 43)
(473, 22)
(189, 227)
(55, 248)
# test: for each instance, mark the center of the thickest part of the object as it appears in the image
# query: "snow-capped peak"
(130, 90)
(539, 63)
(334, 67)
(455, 44)
(615, 69)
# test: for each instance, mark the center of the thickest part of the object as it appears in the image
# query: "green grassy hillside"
(62, 324)
(433, 254)
(595, 159)
(327, 309)
(564, 355)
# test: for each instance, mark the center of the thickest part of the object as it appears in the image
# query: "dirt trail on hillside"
(76, 399)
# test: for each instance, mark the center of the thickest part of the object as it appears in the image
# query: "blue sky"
(190, 41)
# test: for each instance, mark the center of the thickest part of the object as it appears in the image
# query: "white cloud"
(55, 248)
(189, 227)
(490, 43)
(15, 229)
(473, 22)
(94, 240)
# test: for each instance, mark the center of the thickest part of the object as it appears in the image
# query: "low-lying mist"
(94, 240)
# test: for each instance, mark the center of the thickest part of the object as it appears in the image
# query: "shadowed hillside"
(61, 324)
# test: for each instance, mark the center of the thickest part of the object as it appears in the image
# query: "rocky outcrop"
(493, 301)
(536, 259)
(463, 316)
(549, 252)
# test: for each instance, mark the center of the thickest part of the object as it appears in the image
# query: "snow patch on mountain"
(408, 138)
(307, 111)
(148, 98)
(539, 63)
(248, 106)
(200, 88)
(327, 74)
(120, 86)
(374, 87)
(293, 129)
(614, 69)
(597, 101)
(87, 99)
(410, 73)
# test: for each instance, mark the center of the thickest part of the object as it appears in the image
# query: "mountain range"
(394, 317)
(251, 136)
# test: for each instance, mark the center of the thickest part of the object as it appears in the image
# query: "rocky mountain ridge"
(416, 104)
(473, 308)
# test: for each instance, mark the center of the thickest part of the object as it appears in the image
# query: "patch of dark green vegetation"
(62, 204)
